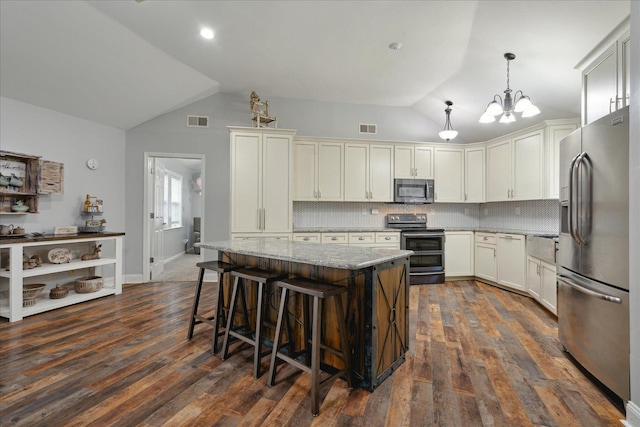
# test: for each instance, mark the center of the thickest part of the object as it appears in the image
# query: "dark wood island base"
(376, 303)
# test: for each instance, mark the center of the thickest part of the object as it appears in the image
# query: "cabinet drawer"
(390, 237)
(489, 238)
(306, 237)
(361, 238)
(336, 238)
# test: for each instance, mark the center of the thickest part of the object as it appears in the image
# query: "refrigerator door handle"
(573, 211)
(609, 298)
(584, 228)
(579, 202)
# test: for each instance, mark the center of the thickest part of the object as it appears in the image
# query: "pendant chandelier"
(448, 133)
(520, 103)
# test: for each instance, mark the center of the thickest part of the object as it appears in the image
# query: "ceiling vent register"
(197, 121)
(368, 128)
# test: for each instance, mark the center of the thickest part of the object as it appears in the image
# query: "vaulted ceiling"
(122, 63)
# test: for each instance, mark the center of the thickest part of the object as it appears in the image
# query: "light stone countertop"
(334, 256)
(344, 230)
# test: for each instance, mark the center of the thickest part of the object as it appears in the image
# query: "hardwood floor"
(478, 356)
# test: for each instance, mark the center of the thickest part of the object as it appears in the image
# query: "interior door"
(157, 220)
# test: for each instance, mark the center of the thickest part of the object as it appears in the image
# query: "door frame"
(146, 211)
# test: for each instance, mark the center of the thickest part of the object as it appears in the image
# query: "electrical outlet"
(518, 210)
(486, 211)
(466, 211)
(374, 211)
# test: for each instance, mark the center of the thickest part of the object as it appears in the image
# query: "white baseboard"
(133, 278)
(173, 258)
(633, 415)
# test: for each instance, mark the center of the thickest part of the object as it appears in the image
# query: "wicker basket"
(28, 302)
(32, 291)
(86, 285)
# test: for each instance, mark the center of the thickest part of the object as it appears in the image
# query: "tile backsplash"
(526, 216)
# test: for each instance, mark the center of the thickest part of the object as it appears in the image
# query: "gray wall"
(169, 134)
(28, 129)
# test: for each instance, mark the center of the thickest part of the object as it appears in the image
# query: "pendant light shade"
(448, 133)
(519, 103)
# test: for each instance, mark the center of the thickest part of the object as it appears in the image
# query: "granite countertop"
(503, 230)
(344, 230)
(334, 256)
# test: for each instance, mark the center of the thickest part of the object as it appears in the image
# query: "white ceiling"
(122, 63)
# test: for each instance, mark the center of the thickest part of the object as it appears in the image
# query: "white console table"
(12, 276)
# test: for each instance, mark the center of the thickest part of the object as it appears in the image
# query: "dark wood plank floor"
(478, 356)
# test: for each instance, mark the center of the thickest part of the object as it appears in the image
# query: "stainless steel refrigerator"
(593, 258)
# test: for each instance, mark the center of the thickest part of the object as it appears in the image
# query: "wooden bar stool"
(218, 318)
(319, 291)
(251, 334)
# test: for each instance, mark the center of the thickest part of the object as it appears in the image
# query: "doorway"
(173, 214)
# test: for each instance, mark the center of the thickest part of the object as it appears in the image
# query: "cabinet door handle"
(360, 238)
(305, 238)
(319, 194)
(387, 238)
(494, 253)
(334, 238)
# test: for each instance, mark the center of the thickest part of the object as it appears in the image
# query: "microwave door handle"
(589, 292)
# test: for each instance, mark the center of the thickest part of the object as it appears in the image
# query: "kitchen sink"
(542, 247)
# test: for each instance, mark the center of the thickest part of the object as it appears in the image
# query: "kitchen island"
(376, 303)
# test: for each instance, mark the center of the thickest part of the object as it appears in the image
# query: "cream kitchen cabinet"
(268, 236)
(541, 283)
(516, 167)
(511, 260)
(459, 253)
(449, 174)
(474, 174)
(606, 76)
(368, 173)
(261, 180)
(485, 256)
(554, 134)
(413, 161)
(318, 171)
(335, 238)
(307, 237)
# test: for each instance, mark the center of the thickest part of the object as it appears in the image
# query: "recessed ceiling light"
(207, 33)
(395, 46)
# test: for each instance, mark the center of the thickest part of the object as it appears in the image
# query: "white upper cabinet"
(318, 171)
(606, 75)
(516, 167)
(474, 176)
(261, 180)
(499, 171)
(368, 173)
(413, 161)
(449, 174)
(528, 166)
(554, 134)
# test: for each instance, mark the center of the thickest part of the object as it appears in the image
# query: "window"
(173, 199)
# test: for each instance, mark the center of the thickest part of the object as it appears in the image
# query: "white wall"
(58, 137)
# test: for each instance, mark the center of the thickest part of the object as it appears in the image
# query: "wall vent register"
(197, 121)
(368, 128)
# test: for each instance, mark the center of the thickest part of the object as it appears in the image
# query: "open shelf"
(74, 264)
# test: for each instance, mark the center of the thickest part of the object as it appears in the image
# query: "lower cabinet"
(378, 239)
(250, 236)
(541, 283)
(458, 252)
(485, 256)
(511, 259)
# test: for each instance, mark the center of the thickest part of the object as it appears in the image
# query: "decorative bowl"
(20, 207)
(59, 255)
(86, 285)
(32, 291)
(58, 292)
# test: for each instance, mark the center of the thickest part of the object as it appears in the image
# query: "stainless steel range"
(426, 265)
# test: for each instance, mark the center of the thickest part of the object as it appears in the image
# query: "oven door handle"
(413, 235)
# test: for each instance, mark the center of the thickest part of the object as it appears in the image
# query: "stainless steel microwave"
(413, 191)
